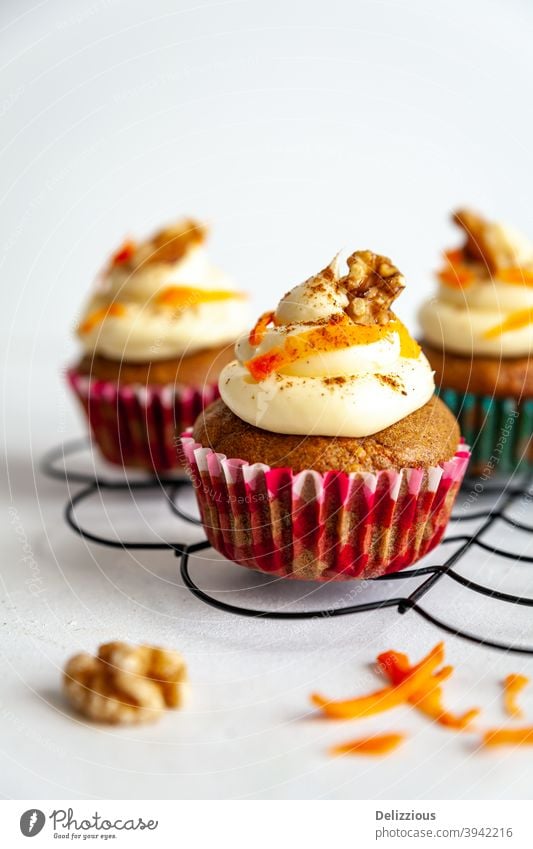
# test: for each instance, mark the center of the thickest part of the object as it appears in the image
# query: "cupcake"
(478, 336)
(328, 456)
(155, 333)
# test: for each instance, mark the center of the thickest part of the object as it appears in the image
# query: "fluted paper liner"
(322, 527)
(500, 430)
(135, 425)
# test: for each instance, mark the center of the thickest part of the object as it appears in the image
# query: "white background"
(295, 129)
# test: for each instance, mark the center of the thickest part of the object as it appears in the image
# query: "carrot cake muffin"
(478, 336)
(155, 334)
(328, 455)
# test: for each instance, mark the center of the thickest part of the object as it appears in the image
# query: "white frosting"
(149, 330)
(353, 391)
(459, 320)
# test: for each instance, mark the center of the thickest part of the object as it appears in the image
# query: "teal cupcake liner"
(498, 430)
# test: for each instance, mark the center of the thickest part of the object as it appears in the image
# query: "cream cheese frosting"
(484, 302)
(162, 299)
(335, 375)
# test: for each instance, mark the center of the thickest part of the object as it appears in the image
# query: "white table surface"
(295, 129)
(248, 730)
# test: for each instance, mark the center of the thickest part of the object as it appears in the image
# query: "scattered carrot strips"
(379, 744)
(386, 698)
(429, 699)
(329, 338)
(514, 321)
(124, 253)
(518, 276)
(116, 310)
(508, 737)
(257, 334)
(512, 686)
(187, 296)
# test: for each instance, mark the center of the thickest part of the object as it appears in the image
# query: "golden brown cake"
(192, 370)
(427, 437)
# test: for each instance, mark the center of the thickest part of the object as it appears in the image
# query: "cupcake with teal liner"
(477, 333)
(328, 456)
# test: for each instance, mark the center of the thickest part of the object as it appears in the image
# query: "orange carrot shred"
(124, 253)
(190, 296)
(257, 334)
(455, 256)
(514, 321)
(518, 276)
(508, 736)
(116, 310)
(458, 276)
(379, 744)
(329, 338)
(512, 686)
(456, 272)
(429, 699)
(386, 698)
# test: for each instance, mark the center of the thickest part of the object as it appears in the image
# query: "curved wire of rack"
(93, 483)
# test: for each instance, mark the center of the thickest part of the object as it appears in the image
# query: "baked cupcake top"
(332, 359)
(162, 298)
(484, 303)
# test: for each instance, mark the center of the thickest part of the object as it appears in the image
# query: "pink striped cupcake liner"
(322, 527)
(136, 426)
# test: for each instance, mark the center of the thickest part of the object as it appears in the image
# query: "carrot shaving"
(257, 334)
(512, 686)
(189, 296)
(514, 321)
(456, 272)
(508, 737)
(414, 681)
(379, 744)
(124, 253)
(329, 338)
(455, 257)
(517, 276)
(115, 310)
(457, 276)
(428, 700)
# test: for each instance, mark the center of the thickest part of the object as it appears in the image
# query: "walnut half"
(124, 683)
(486, 241)
(171, 243)
(372, 284)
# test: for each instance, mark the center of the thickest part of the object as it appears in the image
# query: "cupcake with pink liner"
(328, 455)
(156, 333)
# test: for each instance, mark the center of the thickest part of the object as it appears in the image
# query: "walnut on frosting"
(170, 244)
(372, 284)
(487, 242)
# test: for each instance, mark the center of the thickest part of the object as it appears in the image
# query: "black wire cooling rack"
(506, 495)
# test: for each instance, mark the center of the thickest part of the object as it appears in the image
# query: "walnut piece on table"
(125, 684)
(372, 284)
